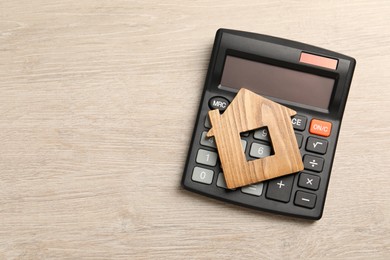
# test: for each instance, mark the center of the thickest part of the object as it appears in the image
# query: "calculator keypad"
(298, 189)
(207, 157)
(202, 175)
(280, 188)
(313, 163)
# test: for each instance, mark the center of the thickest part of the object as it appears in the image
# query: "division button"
(309, 181)
(313, 163)
(207, 157)
(316, 145)
(280, 188)
(202, 175)
(253, 189)
(299, 122)
(305, 199)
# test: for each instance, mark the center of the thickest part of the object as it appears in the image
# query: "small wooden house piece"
(249, 111)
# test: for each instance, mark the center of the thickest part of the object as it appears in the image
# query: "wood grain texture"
(98, 101)
(247, 112)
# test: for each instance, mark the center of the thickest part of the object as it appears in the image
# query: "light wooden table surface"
(98, 101)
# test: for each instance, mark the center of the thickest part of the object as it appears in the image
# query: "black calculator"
(312, 81)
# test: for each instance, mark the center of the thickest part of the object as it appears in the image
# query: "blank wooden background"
(97, 105)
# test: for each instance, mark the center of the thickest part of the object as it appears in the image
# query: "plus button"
(280, 188)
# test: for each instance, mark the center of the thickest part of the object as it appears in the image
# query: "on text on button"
(319, 127)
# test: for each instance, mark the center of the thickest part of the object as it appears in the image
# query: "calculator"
(312, 81)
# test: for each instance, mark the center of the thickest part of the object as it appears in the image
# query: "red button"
(319, 127)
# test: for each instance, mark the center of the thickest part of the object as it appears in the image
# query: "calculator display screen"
(279, 82)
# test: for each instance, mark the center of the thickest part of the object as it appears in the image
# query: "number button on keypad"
(206, 141)
(202, 175)
(207, 157)
(262, 134)
(260, 150)
(207, 123)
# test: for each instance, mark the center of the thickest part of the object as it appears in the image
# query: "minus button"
(305, 199)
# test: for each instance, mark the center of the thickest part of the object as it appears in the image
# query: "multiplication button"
(309, 181)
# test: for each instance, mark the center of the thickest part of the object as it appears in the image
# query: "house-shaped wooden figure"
(249, 111)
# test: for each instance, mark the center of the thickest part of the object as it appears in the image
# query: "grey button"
(243, 143)
(260, 150)
(202, 175)
(309, 181)
(253, 189)
(313, 163)
(206, 157)
(207, 123)
(305, 199)
(316, 145)
(299, 122)
(262, 134)
(206, 141)
(299, 139)
(221, 181)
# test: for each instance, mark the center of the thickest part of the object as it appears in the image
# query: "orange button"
(319, 127)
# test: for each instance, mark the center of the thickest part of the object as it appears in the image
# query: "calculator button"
(246, 134)
(299, 122)
(260, 150)
(221, 181)
(207, 123)
(305, 199)
(220, 103)
(313, 163)
(316, 145)
(262, 134)
(253, 189)
(319, 127)
(207, 141)
(243, 143)
(202, 175)
(207, 157)
(309, 181)
(280, 188)
(299, 139)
